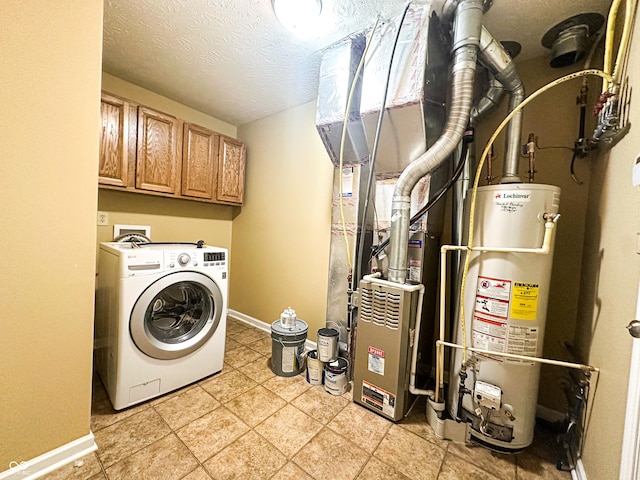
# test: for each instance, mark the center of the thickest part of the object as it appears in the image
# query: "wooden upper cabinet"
(199, 152)
(114, 144)
(146, 151)
(158, 152)
(231, 166)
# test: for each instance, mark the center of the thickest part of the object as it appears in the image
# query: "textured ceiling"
(232, 59)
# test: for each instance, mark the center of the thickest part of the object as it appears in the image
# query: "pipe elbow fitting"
(511, 80)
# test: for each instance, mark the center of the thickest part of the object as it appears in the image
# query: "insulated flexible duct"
(467, 28)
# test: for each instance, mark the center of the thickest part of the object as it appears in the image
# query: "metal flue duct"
(501, 65)
(467, 29)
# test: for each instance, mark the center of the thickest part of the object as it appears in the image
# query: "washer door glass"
(176, 315)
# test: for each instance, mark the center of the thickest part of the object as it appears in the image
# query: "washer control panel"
(184, 259)
(214, 258)
(150, 259)
(194, 258)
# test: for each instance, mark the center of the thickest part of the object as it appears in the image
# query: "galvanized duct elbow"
(467, 28)
(490, 99)
(502, 66)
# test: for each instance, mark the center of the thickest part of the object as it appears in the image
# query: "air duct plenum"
(414, 109)
(414, 113)
(337, 71)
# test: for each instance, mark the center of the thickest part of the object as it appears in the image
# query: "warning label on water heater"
(498, 300)
(490, 327)
(489, 334)
(492, 296)
(524, 300)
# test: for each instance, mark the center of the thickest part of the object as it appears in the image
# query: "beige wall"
(610, 287)
(281, 236)
(50, 112)
(170, 219)
(50, 86)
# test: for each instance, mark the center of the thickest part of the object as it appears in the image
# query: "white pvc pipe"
(547, 361)
(629, 468)
(414, 353)
(375, 278)
(443, 305)
(544, 249)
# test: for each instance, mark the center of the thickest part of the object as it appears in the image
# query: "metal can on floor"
(335, 376)
(287, 348)
(327, 344)
(315, 369)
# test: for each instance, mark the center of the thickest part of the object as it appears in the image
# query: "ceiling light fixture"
(299, 16)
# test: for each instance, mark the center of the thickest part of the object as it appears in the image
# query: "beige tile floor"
(247, 423)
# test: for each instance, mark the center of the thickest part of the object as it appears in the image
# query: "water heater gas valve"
(487, 395)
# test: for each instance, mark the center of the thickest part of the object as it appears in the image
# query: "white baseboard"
(578, 472)
(52, 460)
(254, 322)
(260, 325)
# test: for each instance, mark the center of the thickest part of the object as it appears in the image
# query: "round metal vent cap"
(569, 39)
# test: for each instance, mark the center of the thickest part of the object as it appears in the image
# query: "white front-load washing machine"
(161, 313)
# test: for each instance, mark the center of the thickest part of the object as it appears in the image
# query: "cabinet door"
(157, 160)
(114, 145)
(231, 166)
(199, 150)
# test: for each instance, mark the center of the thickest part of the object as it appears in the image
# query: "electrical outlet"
(103, 218)
(635, 173)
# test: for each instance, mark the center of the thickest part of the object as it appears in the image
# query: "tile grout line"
(324, 426)
(102, 469)
(250, 429)
(154, 407)
(201, 464)
(171, 432)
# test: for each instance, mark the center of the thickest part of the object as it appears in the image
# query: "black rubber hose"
(372, 164)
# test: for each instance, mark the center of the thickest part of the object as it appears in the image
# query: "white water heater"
(505, 311)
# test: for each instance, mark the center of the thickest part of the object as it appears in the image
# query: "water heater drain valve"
(487, 395)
